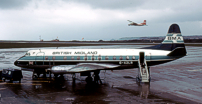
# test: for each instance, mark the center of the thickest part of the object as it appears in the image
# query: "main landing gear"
(97, 80)
(89, 79)
(36, 74)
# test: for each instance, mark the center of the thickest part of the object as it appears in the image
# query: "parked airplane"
(88, 61)
(137, 24)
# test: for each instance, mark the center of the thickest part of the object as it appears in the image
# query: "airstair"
(143, 71)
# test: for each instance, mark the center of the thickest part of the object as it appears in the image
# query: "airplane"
(137, 24)
(88, 61)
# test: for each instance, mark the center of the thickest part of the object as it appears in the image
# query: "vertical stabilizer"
(144, 22)
(173, 42)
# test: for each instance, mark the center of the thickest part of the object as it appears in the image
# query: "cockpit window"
(27, 54)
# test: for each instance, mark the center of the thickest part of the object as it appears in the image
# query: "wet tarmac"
(178, 81)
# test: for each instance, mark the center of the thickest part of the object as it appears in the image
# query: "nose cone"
(16, 62)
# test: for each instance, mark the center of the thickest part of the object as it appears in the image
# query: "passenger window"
(114, 57)
(85, 58)
(106, 57)
(121, 58)
(72, 57)
(53, 57)
(65, 57)
(46, 58)
(99, 57)
(133, 57)
(127, 57)
(78, 58)
(93, 57)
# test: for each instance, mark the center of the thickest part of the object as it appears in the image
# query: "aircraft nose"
(16, 62)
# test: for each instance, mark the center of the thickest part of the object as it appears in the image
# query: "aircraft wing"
(70, 69)
(132, 23)
(129, 21)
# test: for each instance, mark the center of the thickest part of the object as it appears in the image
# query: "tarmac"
(178, 81)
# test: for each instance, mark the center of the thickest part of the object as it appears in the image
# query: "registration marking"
(125, 62)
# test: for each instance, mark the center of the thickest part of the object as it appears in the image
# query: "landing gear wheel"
(89, 80)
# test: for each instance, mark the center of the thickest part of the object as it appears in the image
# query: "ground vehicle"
(12, 75)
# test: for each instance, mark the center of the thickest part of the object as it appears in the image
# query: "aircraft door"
(141, 57)
(39, 59)
(148, 57)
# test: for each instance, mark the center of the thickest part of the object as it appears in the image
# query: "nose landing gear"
(37, 72)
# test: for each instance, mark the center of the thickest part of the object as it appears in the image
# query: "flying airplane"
(137, 24)
(88, 61)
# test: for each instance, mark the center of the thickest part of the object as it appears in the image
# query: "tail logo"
(173, 38)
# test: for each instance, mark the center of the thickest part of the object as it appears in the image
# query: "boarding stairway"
(143, 71)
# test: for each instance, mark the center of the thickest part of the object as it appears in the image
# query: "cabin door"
(39, 59)
(148, 57)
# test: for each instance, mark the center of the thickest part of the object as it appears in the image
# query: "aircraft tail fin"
(173, 41)
(144, 22)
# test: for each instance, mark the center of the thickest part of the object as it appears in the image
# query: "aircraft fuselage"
(42, 59)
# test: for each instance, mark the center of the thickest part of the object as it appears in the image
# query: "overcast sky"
(96, 19)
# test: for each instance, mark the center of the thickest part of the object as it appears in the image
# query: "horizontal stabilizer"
(179, 51)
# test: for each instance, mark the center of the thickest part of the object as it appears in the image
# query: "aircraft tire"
(89, 80)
